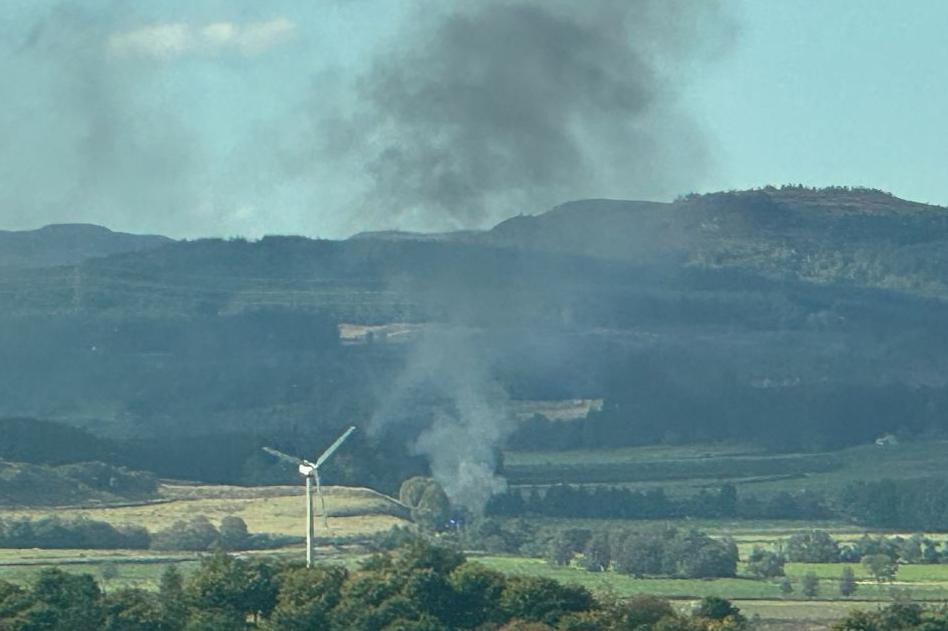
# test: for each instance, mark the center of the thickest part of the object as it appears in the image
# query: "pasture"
(281, 510)
(355, 513)
(685, 469)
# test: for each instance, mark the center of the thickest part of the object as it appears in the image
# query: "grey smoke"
(492, 108)
(501, 106)
(448, 115)
(453, 412)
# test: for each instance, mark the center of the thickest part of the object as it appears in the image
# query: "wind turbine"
(310, 471)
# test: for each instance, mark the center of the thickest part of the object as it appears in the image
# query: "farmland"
(355, 513)
(751, 469)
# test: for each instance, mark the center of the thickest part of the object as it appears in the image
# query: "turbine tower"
(310, 472)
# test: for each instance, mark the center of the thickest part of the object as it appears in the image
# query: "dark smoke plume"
(491, 108)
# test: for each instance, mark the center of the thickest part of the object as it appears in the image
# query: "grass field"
(760, 598)
(353, 512)
(271, 509)
(680, 469)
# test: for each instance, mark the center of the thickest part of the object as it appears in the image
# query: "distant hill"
(790, 317)
(68, 244)
(857, 236)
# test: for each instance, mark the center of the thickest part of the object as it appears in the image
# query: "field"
(756, 598)
(352, 513)
(272, 509)
(355, 512)
(684, 469)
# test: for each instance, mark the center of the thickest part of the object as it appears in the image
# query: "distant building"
(887, 440)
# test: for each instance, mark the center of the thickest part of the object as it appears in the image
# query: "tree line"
(616, 502)
(417, 587)
(913, 504)
(196, 533)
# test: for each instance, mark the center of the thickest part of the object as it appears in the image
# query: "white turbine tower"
(310, 471)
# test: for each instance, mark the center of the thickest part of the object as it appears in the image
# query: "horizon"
(254, 238)
(204, 119)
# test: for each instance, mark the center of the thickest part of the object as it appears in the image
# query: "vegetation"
(417, 586)
(354, 513)
(896, 617)
(195, 534)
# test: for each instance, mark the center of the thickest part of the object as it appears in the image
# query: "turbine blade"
(334, 446)
(282, 456)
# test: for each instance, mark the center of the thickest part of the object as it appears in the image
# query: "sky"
(329, 117)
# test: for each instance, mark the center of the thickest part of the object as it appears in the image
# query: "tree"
(412, 489)
(597, 553)
(559, 550)
(429, 504)
(847, 582)
(537, 599)
(233, 533)
(639, 555)
(226, 584)
(477, 592)
(785, 586)
(717, 608)
(765, 564)
(881, 566)
(197, 533)
(171, 599)
(132, 610)
(306, 597)
(59, 600)
(810, 585)
(815, 546)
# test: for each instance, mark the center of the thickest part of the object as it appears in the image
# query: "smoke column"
(453, 412)
(490, 108)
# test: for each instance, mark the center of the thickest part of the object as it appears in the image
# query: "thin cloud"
(176, 39)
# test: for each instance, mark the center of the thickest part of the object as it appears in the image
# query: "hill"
(857, 236)
(68, 244)
(789, 318)
(84, 483)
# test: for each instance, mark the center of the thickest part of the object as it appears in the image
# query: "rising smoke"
(156, 116)
(495, 107)
(452, 411)
(492, 108)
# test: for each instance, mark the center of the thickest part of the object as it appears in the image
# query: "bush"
(765, 564)
(847, 582)
(815, 546)
(56, 533)
(195, 534)
(810, 585)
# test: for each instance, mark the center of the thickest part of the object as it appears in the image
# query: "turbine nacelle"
(307, 469)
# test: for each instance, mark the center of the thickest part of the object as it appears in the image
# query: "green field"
(680, 469)
(354, 513)
(759, 598)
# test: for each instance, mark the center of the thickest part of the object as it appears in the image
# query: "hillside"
(84, 483)
(854, 236)
(790, 318)
(68, 244)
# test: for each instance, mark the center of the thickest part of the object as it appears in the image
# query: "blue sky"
(210, 118)
(832, 92)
